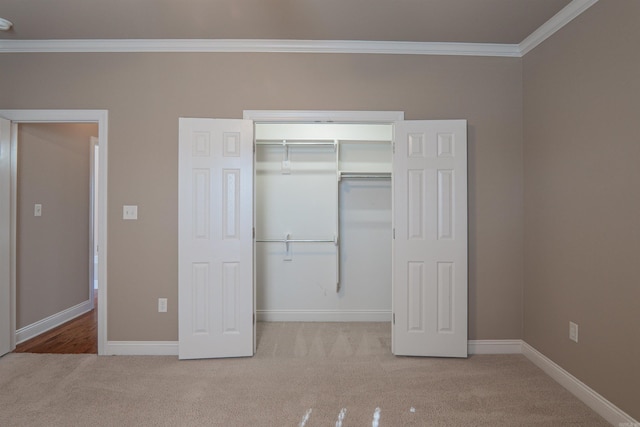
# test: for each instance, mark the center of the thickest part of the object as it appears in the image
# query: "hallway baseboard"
(48, 323)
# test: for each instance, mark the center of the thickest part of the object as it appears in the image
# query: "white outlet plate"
(37, 209)
(573, 331)
(162, 305)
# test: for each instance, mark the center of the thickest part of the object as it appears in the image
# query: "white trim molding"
(559, 20)
(51, 116)
(494, 347)
(259, 46)
(101, 117)
(323, 116)
(593, 400)
(57, 319)
(170, 348)
(562, 18)
(142, 348)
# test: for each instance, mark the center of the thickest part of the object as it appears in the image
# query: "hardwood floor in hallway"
(77, 336)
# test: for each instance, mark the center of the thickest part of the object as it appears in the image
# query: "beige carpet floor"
(304, 374)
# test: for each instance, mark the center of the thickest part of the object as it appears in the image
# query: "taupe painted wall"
(147, 93)
(582, 203)
(53, 249)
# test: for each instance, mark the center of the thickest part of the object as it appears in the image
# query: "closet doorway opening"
(323, 223)
(261, 198)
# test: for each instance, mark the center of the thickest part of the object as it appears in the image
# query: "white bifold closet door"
(215, 267)
(430, 245)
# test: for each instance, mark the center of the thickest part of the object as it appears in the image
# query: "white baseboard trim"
(142, 348)
(323, 315)
(586, 394)
(494, 346)
(170, 348)
(41, 326)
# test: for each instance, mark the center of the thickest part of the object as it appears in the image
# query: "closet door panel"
(430, 245)
(215, 266)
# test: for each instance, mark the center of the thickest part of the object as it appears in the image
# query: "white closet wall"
(300, 195)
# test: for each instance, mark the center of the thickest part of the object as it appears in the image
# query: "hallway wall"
(52, 249)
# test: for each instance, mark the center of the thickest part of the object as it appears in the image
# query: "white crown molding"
(260, 46)
(562, 18)
(559, 20)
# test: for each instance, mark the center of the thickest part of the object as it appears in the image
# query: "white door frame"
(66, 116)
(292, 116)
(288, 116)
(93, 209)
(327, 117)
(322, 116)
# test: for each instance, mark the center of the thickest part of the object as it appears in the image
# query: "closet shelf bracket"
(286, 143)
(287, 241)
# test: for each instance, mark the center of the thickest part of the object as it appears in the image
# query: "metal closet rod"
(325, 142)
(368, 175)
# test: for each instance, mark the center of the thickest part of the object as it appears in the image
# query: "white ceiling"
(457, 21)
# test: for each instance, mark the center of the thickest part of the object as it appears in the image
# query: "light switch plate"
(573, 331)
(37, 209)
(130, 212)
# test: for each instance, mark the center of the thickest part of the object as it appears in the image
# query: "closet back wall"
(146, 93)
(344, 225)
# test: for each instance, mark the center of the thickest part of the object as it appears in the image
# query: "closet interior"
(323, 221)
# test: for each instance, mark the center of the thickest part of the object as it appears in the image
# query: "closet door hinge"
(254, 232)
(394, 318)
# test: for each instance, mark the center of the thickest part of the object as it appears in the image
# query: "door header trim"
(323, 116)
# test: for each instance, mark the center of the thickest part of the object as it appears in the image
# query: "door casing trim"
(101, 117)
